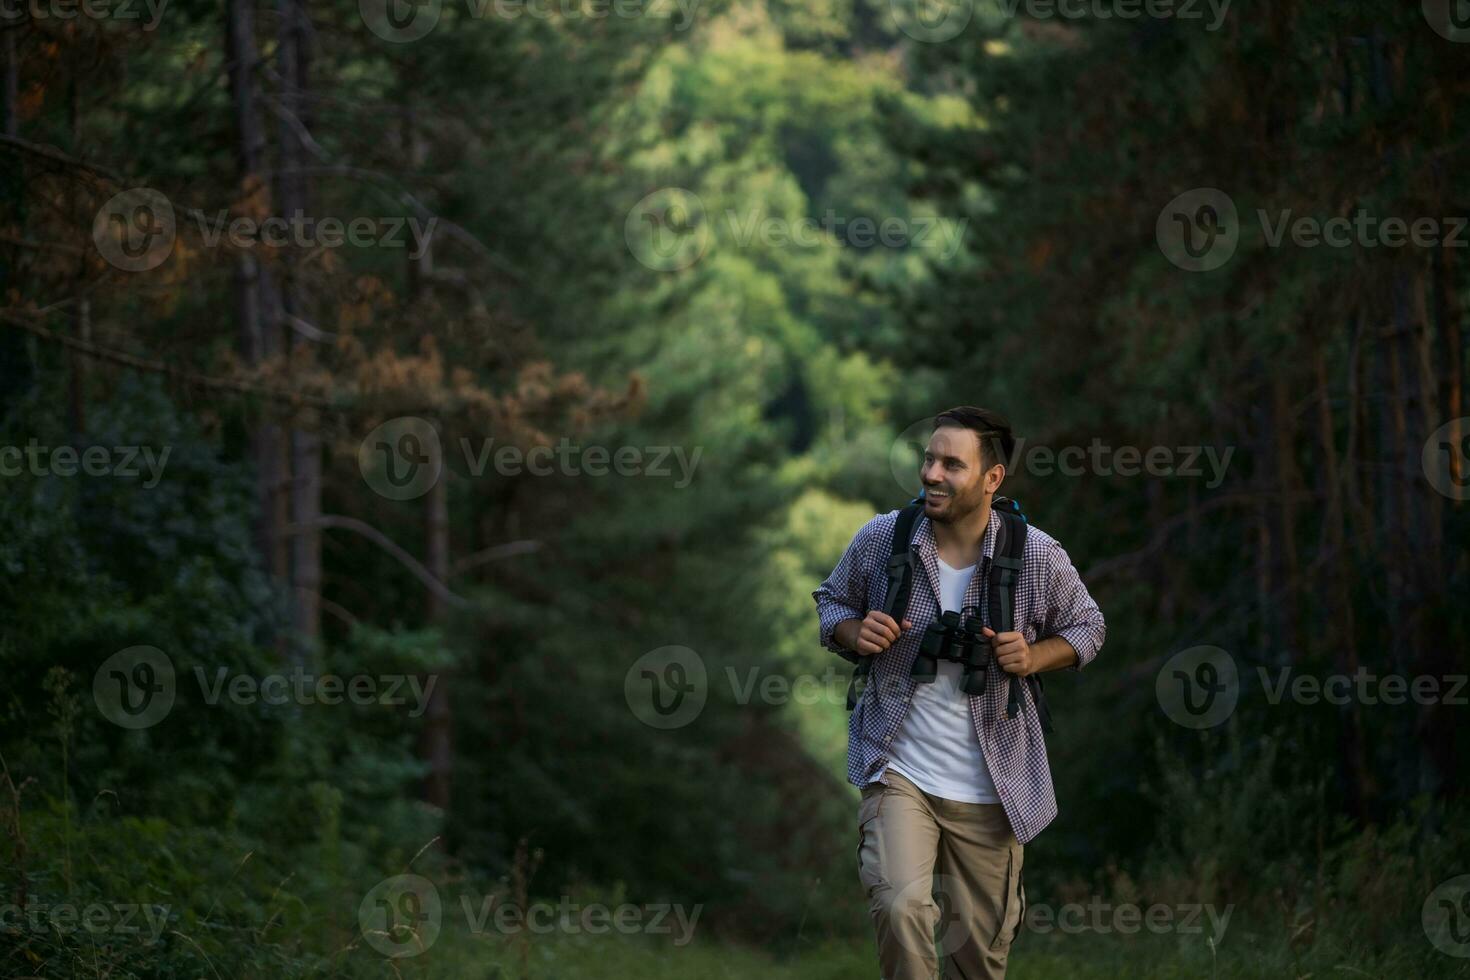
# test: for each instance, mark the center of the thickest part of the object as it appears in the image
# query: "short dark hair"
(994, 430)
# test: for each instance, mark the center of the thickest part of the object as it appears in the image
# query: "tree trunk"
(10, 85)
(1287, 481)
(293, 58)
(256, 307)
(436, 743)
(1341, 630)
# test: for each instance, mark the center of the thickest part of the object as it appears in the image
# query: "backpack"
(1005, 571)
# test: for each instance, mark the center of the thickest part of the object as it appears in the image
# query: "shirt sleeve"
(843, 595)
(1070, 611)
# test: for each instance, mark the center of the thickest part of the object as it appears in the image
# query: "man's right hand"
(873, 634)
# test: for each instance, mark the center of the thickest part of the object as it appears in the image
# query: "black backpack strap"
(1005, 574)
(896, 597)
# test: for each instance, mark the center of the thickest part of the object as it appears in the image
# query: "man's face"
(955, 481)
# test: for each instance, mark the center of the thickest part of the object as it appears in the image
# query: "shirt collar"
(927, 549)
(928, 553)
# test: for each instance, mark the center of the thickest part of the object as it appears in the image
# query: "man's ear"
(998, 480)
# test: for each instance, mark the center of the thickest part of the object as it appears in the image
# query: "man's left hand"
(1012, 652)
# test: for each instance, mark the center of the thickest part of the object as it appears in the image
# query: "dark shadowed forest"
(396, 396)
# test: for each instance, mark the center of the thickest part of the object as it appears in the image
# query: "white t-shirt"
(936, 747)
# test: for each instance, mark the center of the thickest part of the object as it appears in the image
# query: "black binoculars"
(956, 637)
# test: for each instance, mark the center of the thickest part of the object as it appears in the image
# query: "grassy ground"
(1243, 956)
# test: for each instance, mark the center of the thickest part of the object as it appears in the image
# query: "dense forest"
(391, 393)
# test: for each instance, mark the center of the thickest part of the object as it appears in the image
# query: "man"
(949, 783)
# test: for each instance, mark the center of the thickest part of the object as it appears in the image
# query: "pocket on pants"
(870, 870)
(1013, 904)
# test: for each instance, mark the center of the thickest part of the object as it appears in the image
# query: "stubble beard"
(960, 507)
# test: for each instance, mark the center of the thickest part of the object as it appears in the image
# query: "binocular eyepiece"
(957, 637)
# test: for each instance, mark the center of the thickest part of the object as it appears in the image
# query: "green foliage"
(771, 377)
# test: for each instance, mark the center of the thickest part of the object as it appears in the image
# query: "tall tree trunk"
(257, 317)
(1288, 482)
(293, 58)
(1341, 630)
(437, 740)
(9, 82)
(1435, 723)
(1450, 329)
(436, 744)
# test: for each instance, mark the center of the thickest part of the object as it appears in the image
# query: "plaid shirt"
(1050, 601)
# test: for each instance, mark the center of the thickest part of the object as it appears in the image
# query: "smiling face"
(956, 481)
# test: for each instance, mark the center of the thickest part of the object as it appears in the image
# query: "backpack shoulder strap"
(900, 584)
(1006, 565)
(901, 562)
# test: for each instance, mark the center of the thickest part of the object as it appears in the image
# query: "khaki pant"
(914, 848)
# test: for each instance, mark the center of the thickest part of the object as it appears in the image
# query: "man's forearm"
(1052, 653)
(846, 633)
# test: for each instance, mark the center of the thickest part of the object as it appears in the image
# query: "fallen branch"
(327, 521)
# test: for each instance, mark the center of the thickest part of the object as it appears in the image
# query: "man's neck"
(959, 544)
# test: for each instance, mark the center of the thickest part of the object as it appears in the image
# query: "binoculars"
(957, 637)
